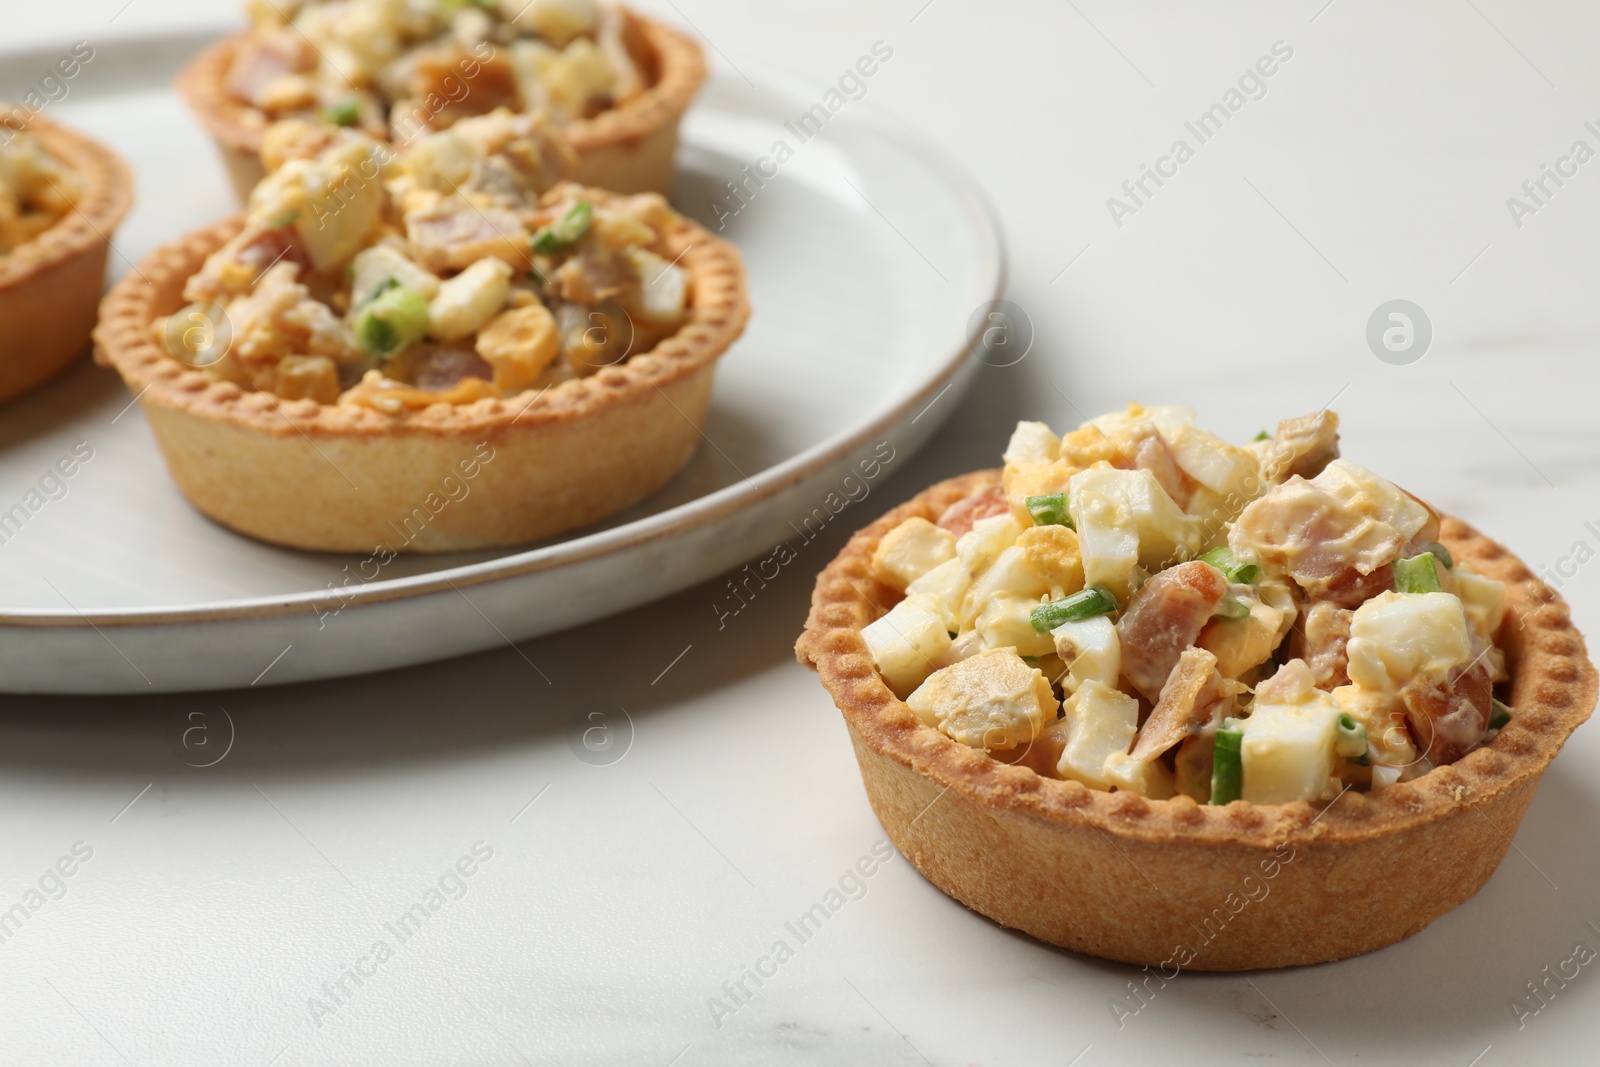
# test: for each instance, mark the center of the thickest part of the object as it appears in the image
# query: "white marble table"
(230, 914)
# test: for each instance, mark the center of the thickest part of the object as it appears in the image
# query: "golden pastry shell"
(50, 288)
(339, 477)
(628, 149)
(1141, 881)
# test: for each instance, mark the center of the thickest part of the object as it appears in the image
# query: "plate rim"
(993, 273)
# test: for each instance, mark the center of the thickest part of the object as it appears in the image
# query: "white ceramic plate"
(868, 255)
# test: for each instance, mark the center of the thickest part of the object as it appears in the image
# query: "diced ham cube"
(1302, 446)
(961, 516)
(442, 367)
(263, 61)
(1448, 718)
(454, 237)
(1194, 694)
(1163, 619)
(1321, 643)
(1152, 454)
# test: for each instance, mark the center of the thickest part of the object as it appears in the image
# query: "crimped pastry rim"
(107, 196)
(124, 340)
(682, 68)
(1554, 690)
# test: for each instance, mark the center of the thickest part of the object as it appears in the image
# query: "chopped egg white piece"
(990, 700)
(530, 59)
(1004, 621)
(1091, 650)
(967, 645)
(1126, 520)
(947, 585)
(442, 162)
(1384, 776)
(664, 287)
(558, 21)
(331, 202)
(467, 302)
(1222, 468)
(1101, 722)
(1008, 577)
(1032, 444)
(579, 74)
(1147, 777)
(906, 642)
(373, 268)
(911, 550)
(1165, 418)
(1484, 600)
(1395, 637)
(1288, 747)
(979, 546)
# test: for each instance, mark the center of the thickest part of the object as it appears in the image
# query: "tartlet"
(626, 148)
(51, 283)
(429, 412)
(1174, 884)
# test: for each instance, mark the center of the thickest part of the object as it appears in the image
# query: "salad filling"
(458, 270)
(1140, 605)
(36, 191)
(394, 68)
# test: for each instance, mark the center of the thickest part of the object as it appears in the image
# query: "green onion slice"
(344, 113)
(1232, 608)
(1084, 604)
(566, 231)
(1419, 574)
(1499, 715)
(390, 321)
(1351, 741)
(384, 286)
(1223, 559)
(1442, 554)
(1050, 509)
(1227, 766)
